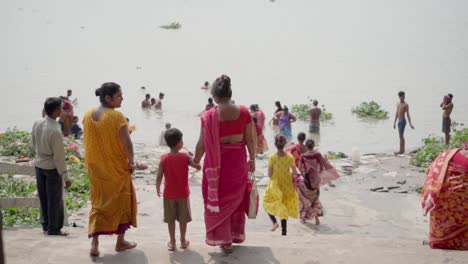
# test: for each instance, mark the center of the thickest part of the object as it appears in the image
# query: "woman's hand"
(251, 165)
(131, 165)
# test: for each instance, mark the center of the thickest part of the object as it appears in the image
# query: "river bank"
(366, 220)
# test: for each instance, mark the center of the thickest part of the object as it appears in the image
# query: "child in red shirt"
(174, 166)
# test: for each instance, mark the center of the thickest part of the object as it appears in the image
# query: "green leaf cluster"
(173, 25)
(11, 187)
(16, 143)
(370, 110)
(434, 145)
(301, 111)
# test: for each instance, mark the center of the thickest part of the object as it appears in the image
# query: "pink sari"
(225, 177)
(316, 170)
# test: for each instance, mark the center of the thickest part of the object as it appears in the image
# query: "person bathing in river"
(401, 112)
(146, 102)
(447, 107)
(314, 114)
(285, 118)
(158, 104)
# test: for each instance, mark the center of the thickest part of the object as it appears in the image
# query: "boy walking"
(174, 167)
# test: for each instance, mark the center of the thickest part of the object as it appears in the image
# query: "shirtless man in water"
(402, 109)
(447, 107)
(158, 104)
(314, 113)
(146, 103)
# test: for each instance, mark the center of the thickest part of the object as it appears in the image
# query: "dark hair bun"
(222, 87)
(98, 91)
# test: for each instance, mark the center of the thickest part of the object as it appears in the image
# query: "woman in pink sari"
(315, 171)
(259, 120)
(225, 132)
(445, 197)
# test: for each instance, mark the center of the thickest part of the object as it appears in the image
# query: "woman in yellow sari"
(445, 197)
(109, 160)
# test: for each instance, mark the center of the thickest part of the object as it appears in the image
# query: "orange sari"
(445, 197)
(113, 199)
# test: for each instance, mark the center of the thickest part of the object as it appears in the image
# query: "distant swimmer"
(158, 104)
(206, 86)
(146, 102)
(402, 110)
(447, 107)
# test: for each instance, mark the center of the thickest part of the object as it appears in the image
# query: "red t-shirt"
(175, 169)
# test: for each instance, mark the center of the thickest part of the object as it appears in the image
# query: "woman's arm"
(128, 146)
(200, 148)
(292, 118)
(250, 141)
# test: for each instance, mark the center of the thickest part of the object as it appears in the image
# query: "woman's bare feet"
(125, 245)
(227, 249)
(303, 221)
(275, 226)
(94, 251)
(317, 221)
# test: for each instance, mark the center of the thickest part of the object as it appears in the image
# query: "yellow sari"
(113, 198)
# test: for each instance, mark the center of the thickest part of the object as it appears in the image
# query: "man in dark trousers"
(50, 166)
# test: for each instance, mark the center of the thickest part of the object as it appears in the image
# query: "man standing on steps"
(402, 110)
(447, 107)
(50, 166)
(314, 113)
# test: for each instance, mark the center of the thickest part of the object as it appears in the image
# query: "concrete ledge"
(16, 169)
(19, 203)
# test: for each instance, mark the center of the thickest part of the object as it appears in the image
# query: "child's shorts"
(177, 210)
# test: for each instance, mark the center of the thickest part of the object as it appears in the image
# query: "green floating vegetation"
(370, 110)
(434, 145)
(12, 187)
(173, 25)
(16, 143)
(301, 111)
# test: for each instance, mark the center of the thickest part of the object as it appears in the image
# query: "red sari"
(445, 197)
(225, 177)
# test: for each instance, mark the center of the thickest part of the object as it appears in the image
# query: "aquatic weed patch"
(16, 143)
(173, 26)
(301, 111)
(11, 187)
(434, 145)
(370, 110)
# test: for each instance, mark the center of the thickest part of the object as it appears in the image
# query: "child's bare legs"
(171, 227)
(317, 220)
(123, 244)
(184, 243)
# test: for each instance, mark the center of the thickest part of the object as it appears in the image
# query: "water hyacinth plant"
(16, 143)
(434, 145)
(301, 111)
(173, 25)
(370, 110)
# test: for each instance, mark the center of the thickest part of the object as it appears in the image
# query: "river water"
(340, 52)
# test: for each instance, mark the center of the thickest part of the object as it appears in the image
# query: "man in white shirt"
(50, 166)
